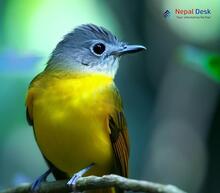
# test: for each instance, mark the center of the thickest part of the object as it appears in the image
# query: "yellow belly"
(70, 120)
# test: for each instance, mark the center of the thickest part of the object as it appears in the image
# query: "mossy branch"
(94, 182)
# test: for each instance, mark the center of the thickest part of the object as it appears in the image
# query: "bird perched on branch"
(76, 110)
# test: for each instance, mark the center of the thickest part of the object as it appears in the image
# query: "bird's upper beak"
(128, 49)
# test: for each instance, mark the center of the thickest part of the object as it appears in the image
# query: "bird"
(76, 110)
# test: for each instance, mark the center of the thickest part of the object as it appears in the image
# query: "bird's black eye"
(98, 48)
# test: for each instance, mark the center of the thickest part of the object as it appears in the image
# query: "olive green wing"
(119, 136)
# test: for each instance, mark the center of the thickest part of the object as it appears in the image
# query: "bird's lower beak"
(128, 49)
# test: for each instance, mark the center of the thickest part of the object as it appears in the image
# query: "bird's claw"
(76, 176)
(73, 180)
(36, 184)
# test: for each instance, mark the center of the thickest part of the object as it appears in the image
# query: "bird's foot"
(36, 184)
(76, 176)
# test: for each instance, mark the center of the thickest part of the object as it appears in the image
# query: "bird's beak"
(127, 49)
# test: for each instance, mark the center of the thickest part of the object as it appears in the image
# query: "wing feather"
(119, 136)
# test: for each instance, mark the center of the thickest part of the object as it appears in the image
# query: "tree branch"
(94, 182)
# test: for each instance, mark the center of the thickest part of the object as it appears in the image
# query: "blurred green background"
(170, 92)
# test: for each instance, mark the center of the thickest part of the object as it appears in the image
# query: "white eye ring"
(98, 49)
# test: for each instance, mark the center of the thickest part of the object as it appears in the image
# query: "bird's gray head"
(89, 48)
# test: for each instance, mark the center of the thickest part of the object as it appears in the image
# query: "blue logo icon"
(167, 14)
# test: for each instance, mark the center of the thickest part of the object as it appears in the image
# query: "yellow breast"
(70, 115)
